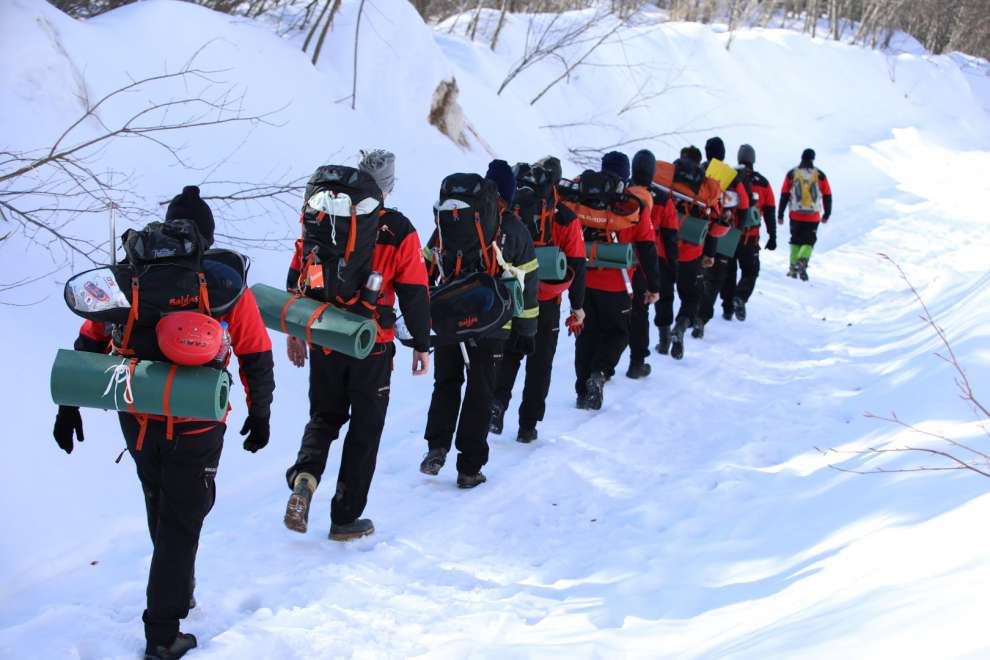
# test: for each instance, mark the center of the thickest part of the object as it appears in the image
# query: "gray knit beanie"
(380, 164)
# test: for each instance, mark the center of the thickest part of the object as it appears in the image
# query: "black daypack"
(468, 219)
(340, 230)
(689, 174)
(536, 200)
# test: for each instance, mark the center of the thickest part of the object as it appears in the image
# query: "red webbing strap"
(481, 241)
(142, 421)
(457, 266)
(312, 319)
(132, 315)
(204, 296)
(352, 237)
(543, 221)
(166, 398)
(594, 251)
(285, 310)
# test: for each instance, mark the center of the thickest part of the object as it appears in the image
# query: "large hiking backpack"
(467, 219)
(694, 194)
(166, 271)
(805, 191)
(602, 204)
(536, 200)
(340, 230)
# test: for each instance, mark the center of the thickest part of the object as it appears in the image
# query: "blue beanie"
(500, 172)
(715, 149)
(617, 163)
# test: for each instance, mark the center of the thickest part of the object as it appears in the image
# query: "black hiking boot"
(638, 370)
(677, 341)
(297, 508)
(726, 314)
(470, 480)
(663, 348)
(792, 271)
(527, 434)
(582, 402)
(802, 269)
(433, 461)
(352, 530)
(182, 644)
(596, 390)
(698, 329)
(740, 308)
(608, 373)
(498, 418)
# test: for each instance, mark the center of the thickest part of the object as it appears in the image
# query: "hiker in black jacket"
(465, 424)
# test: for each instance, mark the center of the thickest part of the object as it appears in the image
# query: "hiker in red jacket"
(807, 191)
(735, 296)
(607, 302)
(716, 274)
(556, 227)
(343, 388)
(177, 458)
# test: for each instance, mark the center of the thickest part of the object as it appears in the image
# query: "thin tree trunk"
(501, 22)
(316, 25)
(357, 35)
(326, 27)
(473, 26)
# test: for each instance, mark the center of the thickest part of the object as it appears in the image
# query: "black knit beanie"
(188, 206)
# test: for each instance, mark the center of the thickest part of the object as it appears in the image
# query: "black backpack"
(536, 200)
(468, 219)
(340, 231)
(167, 270)
(688, 173)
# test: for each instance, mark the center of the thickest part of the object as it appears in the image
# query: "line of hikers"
(483, 295)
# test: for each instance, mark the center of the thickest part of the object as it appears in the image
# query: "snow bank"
(692, 516)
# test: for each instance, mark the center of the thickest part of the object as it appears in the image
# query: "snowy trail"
(639, 530)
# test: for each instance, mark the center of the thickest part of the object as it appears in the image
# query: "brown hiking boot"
(297, 509)
(353, 530)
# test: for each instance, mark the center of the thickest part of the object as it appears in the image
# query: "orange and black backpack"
(340, 218)
(537, 198)
(467, 220)
(602, 203)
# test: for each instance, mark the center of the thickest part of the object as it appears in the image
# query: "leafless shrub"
(953, 454)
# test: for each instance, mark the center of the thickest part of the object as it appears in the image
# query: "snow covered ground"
(692, 516)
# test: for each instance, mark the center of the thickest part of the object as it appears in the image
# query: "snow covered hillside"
(692, 516)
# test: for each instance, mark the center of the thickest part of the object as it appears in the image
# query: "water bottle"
(370, 293)
(224, 353)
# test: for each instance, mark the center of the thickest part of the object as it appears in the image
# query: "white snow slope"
(692, 516)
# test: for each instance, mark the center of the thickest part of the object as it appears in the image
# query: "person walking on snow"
(807, 191)
(747, 259)
(550, 224)
(176, 458)
(344, 388)
(662, 215)
(716, 274)
(465, 424)
(600, 344)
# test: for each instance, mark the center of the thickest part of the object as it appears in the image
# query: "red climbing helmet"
(189, 339)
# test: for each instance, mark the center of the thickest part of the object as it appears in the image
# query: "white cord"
(121, 374)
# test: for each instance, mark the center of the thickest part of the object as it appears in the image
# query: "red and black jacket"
(666, 225)
(398, 256)
(643, 238)
(566, 234)
(248, 339)
(800, 216)
(760, 186)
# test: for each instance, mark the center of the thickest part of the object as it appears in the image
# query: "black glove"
(772, 243)
(826, 217)
(522, 344)
(67, 420)
(257, 430)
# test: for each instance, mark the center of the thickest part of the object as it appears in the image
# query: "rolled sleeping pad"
(515, 291)
(316, 322)
(727, 244)
(693, 230)
(94, 380)
(610, 255)
(553, 263)
(753, 218)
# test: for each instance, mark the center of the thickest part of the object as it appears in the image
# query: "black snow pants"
(665, 306)
(469, 418)
(343, 388)
(605, 335)
(747, 261)
(713, 279)
(639, 320)
(177, 477)
(538, 368)
(689, 286)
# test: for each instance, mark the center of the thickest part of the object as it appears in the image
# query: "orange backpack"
(601, 201)
(672, 179)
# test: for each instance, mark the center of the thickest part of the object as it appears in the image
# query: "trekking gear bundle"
(610, 255)
(167, 271)
(805, 190)
(467, 219)
(320, 323)
(694, 194)
(536, 197)
(339, 233)
(601, 202)
(148, 387)
(473, 307)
